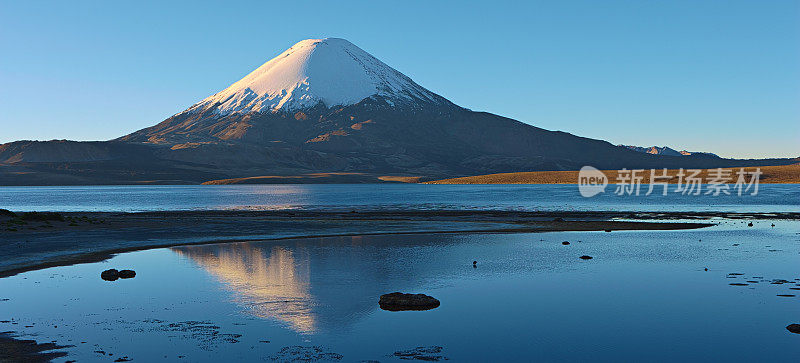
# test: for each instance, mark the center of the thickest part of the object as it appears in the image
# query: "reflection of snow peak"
(273, 287)
(331, 71)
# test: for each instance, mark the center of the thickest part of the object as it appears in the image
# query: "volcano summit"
(331, 71)
(324, 107)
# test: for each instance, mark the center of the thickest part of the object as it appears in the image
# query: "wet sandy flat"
(29, 243)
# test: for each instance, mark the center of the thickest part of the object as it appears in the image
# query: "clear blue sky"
(720, 76)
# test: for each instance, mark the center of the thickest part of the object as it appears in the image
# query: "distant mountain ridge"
(326, 107)
(665, 150)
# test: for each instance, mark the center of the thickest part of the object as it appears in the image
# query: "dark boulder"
(565, 243)
(585, 257)
(398, 301)
(794, 328)
(127, 274)
(110, 275)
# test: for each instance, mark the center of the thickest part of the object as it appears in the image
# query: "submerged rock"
(297, 353)
(585, 257)
(127, 274)
(565, 243)
(114, 274)
(794, 328)
(429, 354)
(398, 301)
(110, 275)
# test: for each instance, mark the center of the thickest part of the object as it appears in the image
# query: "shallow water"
(771, 198)
(644, 296)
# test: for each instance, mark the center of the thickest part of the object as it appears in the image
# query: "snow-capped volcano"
(328, 110)
(330, 71)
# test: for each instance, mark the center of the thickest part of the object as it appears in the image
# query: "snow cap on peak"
(331, 71)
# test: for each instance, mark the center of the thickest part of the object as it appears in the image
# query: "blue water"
(771, 198)
(645, 296)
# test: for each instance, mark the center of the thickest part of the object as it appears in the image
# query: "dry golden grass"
(399, 179)
(785, 174)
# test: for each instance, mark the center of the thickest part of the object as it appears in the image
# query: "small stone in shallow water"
(565, 243)
(110, 275)
(430, 354)
(737, 284)
(794, 328)
(585, 257)
(786, 295)
(127, 274)
(398, 301)
(750, 224)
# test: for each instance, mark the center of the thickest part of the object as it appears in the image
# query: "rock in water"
(565, 243)
(794, 328)
(127, 274)
(110, 275)
(585, 257)
(398, 301)
(430, 354)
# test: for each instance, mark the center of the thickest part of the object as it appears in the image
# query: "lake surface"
(644, 296)
(771, 198)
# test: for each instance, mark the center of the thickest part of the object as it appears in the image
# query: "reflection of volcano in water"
(271, 283)
(317, 284)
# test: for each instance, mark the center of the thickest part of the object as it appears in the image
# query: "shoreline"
(782, 174)
(15, 349)
(97, 236)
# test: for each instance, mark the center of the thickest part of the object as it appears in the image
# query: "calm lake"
(644, 296)
(771, 198)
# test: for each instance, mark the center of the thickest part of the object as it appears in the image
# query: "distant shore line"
(77, 237)
(785, 174)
